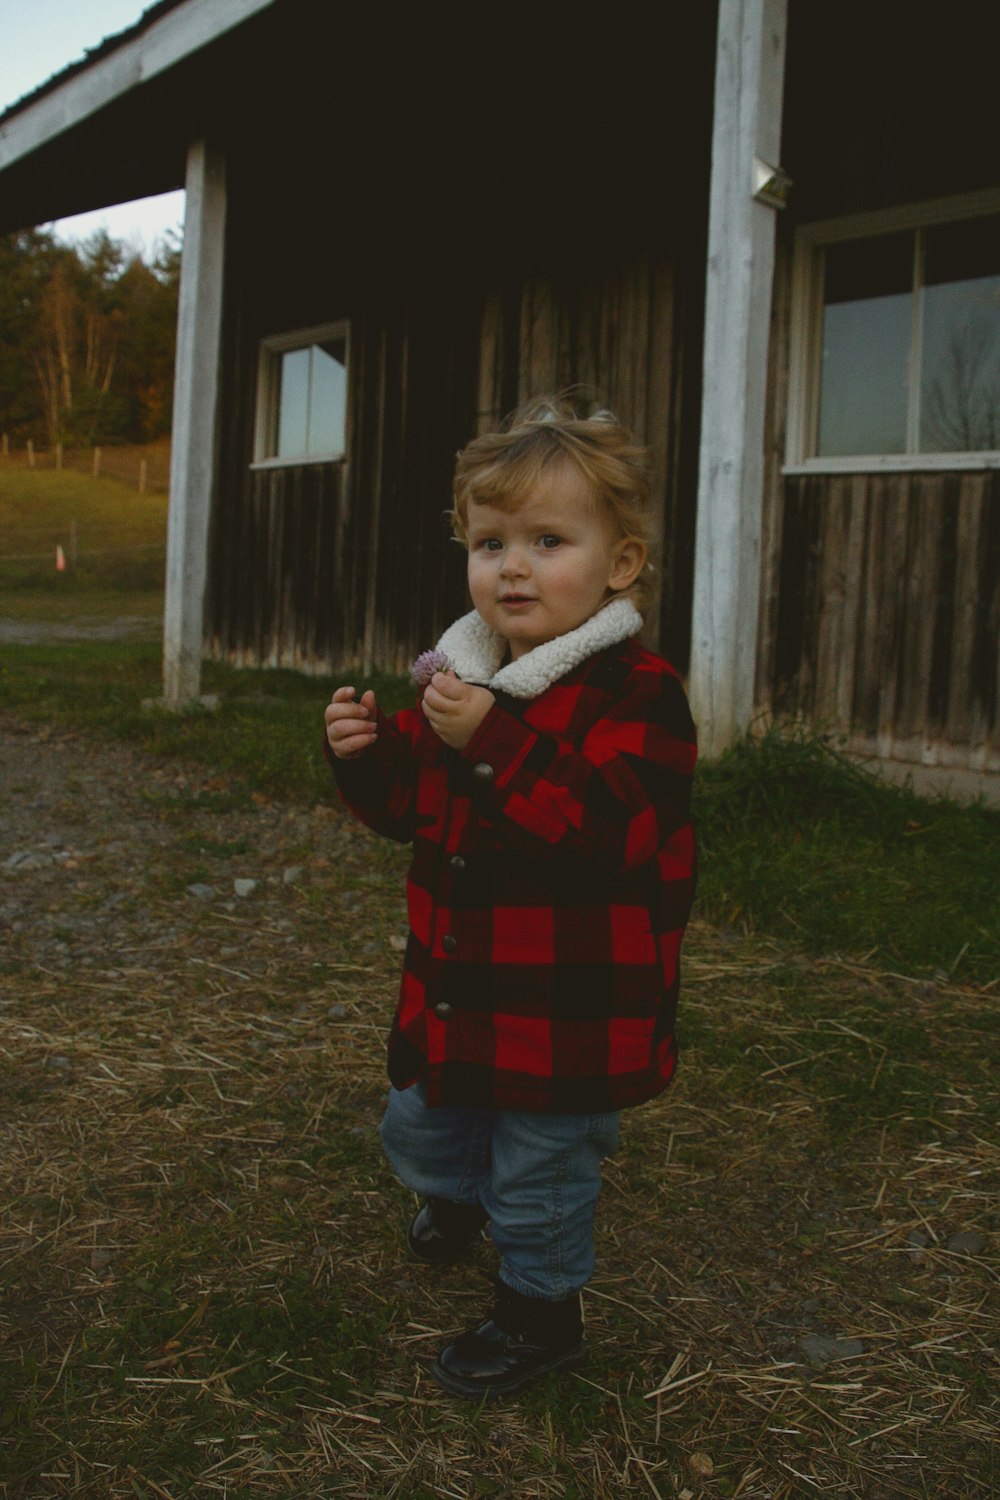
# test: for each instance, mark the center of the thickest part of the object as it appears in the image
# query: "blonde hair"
(503, 468)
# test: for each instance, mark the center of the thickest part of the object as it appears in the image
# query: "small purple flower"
(427, 664)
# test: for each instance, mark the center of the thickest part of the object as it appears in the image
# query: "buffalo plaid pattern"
(552, 877)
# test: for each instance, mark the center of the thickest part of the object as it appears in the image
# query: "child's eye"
(489, 544)
(550, 540)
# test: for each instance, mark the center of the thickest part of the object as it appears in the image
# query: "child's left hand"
(455, 709)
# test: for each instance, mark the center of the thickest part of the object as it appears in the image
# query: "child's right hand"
(350, 726)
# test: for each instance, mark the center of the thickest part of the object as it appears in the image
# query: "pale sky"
(39, 38)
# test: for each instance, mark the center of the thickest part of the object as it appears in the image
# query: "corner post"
(749, 82)
(196, 396)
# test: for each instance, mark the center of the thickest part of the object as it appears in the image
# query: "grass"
(797, 842)
(120, 539)
(800, 842)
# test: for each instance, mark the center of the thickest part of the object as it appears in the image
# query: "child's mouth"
(510, 599)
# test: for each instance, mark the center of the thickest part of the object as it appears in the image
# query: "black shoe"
(443, 1231)
(522, 1340)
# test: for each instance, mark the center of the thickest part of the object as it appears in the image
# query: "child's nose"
(515, 563)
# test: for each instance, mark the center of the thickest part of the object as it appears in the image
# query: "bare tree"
(960, 411)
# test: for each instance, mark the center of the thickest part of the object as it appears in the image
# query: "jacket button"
(442, 1010)
(457, 863)
(483, 773)
(449, 943)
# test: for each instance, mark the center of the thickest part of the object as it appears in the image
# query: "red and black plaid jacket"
(552, 877)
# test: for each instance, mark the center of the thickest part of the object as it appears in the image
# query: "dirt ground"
(95, 855)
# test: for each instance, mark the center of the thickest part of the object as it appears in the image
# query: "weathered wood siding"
(327, 566)
(323, 566)
(629, 332)
(880, 592)
(886, 624)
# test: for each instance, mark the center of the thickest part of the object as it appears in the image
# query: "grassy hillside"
(113, 538)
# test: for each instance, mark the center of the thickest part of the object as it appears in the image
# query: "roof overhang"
(116, 126)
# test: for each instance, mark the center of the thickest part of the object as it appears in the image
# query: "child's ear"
(629, 562)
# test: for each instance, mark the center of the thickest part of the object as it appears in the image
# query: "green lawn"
(113, 539)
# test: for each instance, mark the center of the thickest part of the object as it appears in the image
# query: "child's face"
(546, 567)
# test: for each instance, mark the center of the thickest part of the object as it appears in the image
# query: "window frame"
(806, 335)
(268, 389)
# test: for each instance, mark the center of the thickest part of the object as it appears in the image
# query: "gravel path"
(39, 632)
(110, 859)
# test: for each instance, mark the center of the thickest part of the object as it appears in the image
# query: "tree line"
(86, 339)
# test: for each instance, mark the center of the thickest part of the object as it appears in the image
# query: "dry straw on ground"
(207, 1292)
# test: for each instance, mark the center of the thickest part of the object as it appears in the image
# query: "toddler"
(544, 781)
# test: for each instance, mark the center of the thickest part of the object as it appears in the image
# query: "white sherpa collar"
(477, 651)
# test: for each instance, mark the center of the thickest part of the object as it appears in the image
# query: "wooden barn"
(766, 232)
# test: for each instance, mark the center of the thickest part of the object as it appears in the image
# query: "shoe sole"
(450, 1257)
(474, 1391)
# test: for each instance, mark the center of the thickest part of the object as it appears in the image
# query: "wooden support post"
(5, 446)
(59, 455)
(97, 463)
(196, 389)
(749, 82)
(31, 454)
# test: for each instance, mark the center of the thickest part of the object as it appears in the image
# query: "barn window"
(302, 397)
(895, 358)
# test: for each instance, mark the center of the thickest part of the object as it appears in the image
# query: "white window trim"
(806, 334)
(299, 462)
(267, 391)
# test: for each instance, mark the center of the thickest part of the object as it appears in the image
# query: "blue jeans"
(537, 1177)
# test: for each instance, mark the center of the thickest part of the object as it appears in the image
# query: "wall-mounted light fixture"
(771, 185)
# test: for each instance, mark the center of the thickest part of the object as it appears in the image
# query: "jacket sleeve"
(607, 804)
(379, 787)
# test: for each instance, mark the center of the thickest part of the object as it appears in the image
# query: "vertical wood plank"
(488, 412)
(830, 604)
(868, 659)
(945, 495)
(852, 614)
(959, 721)
(772, 511)
(913, 664)
(986, 652)
(661, 441)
